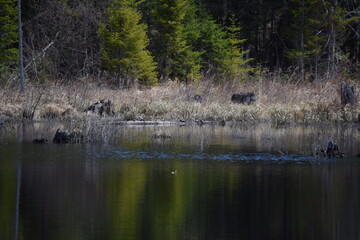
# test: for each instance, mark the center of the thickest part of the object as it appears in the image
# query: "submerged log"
(102, 108)
(67, 137)
(244, 97)
(40, 141)
(347, 94)
(161, 136)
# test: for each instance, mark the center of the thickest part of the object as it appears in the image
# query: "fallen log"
(40, 141)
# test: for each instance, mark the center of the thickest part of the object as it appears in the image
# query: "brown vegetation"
(276, 101)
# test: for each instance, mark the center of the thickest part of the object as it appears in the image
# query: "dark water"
(240, 182)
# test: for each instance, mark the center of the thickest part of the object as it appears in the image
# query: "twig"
(41, 53)
(35, 105)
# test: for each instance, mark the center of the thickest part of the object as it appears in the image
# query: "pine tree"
(8, 33)
(212, 44)
(304, 34)
(172, 36)
(124, 42)
(235, 65)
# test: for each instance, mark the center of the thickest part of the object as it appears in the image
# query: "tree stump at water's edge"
(347, 94)
(102, 108)
(67, 137)
(244, 97)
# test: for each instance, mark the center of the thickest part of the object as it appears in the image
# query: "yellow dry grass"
(277, 101)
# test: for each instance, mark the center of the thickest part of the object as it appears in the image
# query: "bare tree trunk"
(357, 45)
(302, 64)
(332, 42)
(317, 57)
(331, 52)
(21, 62)
(225, 8)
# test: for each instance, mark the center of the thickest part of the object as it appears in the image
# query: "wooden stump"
(244, 97)
(347, 94)
(67, 137)
(102, 108)
(331, 151)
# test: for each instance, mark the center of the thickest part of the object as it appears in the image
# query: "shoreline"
(174, 104)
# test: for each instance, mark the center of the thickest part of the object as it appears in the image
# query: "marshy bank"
(277, 102)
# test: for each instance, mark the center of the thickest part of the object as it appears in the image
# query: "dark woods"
(69, 40)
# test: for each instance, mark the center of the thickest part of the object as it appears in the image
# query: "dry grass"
(277, 101)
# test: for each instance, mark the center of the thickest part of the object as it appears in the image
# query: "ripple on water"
(117, 153)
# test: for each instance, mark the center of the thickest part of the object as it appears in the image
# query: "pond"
(205, 182)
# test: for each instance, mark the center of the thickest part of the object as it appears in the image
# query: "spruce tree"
(8, 33)
(124, 42)
(306, 37)
(212, 44)
(316, 35)
(172, 36)
(234, 64)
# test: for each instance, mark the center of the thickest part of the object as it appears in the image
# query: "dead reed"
(277, 101)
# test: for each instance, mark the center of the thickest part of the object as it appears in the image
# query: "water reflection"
(230, 183)
(300, 140)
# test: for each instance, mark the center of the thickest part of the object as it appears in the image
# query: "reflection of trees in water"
(82, 192)
(8, 181)
(263, 138)
(235, 138)
(27, 132)
(299, 139)
(67, 195)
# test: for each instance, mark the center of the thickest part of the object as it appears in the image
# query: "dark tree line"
(318, 36)
(130, 40)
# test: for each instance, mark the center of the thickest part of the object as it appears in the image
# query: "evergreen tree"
(8, 33)
(316, 35)
(304, 35)
(234, 64)
(337, 19)
(124, 42)
(212, 44)
(172, 35)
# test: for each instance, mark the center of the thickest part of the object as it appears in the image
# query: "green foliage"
(187, 38)
(8, 33)
(123, 43)
(172, 34)
(316, 33)
(304, 31)
(212, 43)
(234, 64)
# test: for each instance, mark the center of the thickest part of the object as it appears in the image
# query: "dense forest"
(149, 41)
